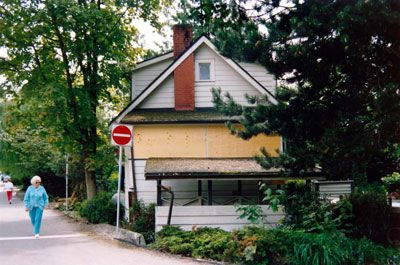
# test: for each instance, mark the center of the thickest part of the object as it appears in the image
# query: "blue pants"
(36, 218)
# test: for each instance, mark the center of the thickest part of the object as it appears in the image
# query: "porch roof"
(156, 116)
(213, 168)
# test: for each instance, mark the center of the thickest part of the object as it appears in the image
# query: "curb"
(126, 236)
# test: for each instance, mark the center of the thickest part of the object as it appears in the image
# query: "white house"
(180, 142)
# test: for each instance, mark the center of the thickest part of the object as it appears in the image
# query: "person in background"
(36, 200)
(9, 188)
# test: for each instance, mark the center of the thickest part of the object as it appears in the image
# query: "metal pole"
(119, 185)
(66, 184)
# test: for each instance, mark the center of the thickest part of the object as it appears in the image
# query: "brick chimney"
(184, 73)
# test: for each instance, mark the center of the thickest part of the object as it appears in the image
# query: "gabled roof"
(153, 60)
(170, 69)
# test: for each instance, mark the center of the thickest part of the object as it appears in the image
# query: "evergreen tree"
(339, 99)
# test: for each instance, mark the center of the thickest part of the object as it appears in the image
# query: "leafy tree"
(339, 99)
(65, 58)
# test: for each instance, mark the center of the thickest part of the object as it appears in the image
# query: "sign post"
(66, 183)
(121, 135)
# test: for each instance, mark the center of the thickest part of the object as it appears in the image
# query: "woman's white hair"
(35, 179)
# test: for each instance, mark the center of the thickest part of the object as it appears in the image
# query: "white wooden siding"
(162, 97)
(146, 190)
(224, 217)
(335, 189)
(142, 77)
(261, 74)
(226, 78)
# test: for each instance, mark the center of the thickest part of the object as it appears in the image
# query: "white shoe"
(37, 236)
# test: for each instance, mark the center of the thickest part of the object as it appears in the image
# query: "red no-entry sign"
(121, 135)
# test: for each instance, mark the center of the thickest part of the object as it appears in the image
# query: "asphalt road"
(63, 242)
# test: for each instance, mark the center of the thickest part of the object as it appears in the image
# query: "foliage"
(273, 199)
(212, 243)
(210, 17)
(315, 249)
(174, 240)
(253, 213)
(335, 248)
(339, 105)
(305, 210)
(143, 220)
(65, 64)
(271, 246)
(392, 182)
(298, 201)
(257, 245)
(100, 209)
(364, 251)
(371, 215)
(205, 242)
(371, 187)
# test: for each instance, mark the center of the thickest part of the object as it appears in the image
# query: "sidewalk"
(103, 230)
(65, 241)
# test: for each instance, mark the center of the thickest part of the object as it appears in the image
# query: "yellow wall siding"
(169, 141)
(197, 141)
(222, 144)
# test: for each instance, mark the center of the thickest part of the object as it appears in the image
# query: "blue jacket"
(36, 198)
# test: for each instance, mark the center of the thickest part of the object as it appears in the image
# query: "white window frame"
(197, 70)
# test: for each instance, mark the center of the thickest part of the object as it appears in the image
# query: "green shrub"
(392, 182)
(371, 215)
(211, 243)
(257, 245)
(143, 219)
(299, 200)
(270, 246)
(315, 249)
(363, 251)
(335, 248)
(100, 209)
(169, 230)
(305, 210)
(174, 240)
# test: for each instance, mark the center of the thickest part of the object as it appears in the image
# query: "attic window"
(204, 70)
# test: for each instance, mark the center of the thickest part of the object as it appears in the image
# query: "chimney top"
(183, 36)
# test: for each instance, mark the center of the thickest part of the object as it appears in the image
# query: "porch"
(203, 192)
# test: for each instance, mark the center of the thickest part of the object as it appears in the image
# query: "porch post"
(239, 187)
(158, 192)
(209, 186)
(199, 191)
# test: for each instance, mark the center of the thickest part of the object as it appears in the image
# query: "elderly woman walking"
(36, 200)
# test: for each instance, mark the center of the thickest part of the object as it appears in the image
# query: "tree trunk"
(91, 189)
(90, 176)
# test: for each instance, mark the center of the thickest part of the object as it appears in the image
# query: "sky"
(150, 36)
